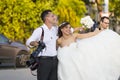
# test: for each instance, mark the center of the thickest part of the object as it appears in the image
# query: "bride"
(96, 57)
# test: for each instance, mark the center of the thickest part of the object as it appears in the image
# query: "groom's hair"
(44, 14)
(104, 17)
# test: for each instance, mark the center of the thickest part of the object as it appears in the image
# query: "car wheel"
(21, 59)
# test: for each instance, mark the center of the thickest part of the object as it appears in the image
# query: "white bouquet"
(87, 22)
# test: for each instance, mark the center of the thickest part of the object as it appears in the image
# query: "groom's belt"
(48, 57)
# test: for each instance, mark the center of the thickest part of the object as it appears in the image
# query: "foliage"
(18, 18)
(70, 10)
(115, 7)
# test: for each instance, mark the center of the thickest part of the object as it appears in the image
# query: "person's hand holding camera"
(34, 43)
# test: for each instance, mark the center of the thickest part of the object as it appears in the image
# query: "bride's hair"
(61, 26)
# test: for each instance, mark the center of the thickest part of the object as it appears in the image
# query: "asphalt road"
(16, 74)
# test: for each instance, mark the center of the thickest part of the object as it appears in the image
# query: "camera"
(39, 49)
(33, 61)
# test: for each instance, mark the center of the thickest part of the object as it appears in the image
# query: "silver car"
(12, 53)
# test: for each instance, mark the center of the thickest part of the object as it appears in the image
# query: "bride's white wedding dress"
(94, 58)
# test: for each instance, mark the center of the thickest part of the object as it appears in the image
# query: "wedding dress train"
(94, 58)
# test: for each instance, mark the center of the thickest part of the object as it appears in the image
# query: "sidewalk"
(16, 74)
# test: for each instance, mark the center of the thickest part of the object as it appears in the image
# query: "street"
(16, 74)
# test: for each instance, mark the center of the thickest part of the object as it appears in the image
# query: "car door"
(7, 51)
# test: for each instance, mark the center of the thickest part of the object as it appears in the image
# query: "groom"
(104, 23)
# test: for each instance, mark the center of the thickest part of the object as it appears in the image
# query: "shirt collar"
(45, 27)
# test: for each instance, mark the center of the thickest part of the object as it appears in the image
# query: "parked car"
(12, 53)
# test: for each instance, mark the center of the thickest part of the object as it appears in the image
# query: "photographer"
(47, 69)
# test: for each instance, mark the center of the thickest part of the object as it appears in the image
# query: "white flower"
(87, 21)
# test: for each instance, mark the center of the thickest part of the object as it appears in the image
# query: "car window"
(3, 39)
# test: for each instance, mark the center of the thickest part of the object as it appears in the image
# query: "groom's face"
(105, 23)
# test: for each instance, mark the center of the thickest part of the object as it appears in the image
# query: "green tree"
(18, 18)
(70, 10)
(115, 7)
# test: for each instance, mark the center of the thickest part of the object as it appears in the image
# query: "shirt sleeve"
(34, 37)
